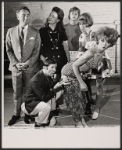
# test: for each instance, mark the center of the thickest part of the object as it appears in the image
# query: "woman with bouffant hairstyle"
(73, 73)
(54, 39)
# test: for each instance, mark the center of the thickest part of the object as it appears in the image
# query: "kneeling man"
(40, 91)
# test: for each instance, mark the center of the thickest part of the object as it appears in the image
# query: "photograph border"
(66, 132)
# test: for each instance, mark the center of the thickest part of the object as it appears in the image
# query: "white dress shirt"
(25, 30)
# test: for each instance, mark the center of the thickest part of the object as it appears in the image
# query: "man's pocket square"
(32, 38)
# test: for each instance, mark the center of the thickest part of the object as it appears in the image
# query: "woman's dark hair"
(23, 8)
(74, 9)
(88, 18)
(60, 13)
(48, 61)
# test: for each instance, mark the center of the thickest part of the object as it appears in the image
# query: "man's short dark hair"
(48, 61)
(23, 8)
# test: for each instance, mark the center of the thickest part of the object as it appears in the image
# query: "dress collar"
(53, 31)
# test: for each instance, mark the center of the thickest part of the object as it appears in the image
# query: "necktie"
(22, 34)
(21, 40)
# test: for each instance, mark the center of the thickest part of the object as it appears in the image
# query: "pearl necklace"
(54, 42)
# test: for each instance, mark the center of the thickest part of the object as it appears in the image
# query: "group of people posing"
(42, 72)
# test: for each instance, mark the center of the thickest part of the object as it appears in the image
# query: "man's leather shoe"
(40, 125)
(28, 119)
(13, 120)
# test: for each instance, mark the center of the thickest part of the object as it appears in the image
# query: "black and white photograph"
(61, 74)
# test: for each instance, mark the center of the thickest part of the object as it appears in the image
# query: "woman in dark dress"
(54, 39)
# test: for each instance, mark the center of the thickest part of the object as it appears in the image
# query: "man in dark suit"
(23, 49)
(41, 90)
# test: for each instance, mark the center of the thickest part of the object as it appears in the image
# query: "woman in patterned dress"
(107, 37)
(75, 99)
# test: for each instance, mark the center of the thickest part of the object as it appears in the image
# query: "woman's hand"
(66, 48)
(111, 72)
(42, 58)
(83, 87)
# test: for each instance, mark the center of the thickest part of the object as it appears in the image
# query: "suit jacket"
(31, 49)
(39, 89)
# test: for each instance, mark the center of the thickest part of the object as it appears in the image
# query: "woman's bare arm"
(66, 48)
(83, 59)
